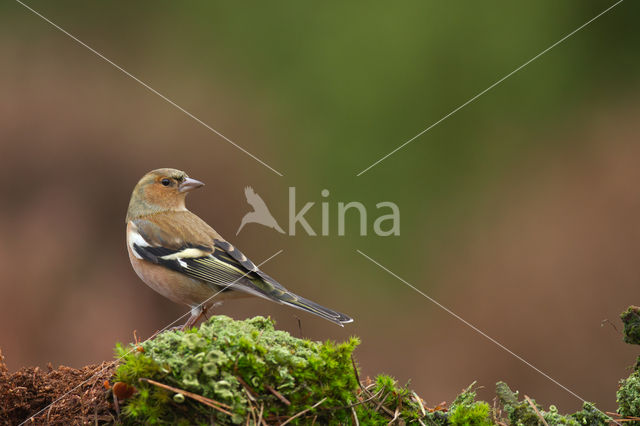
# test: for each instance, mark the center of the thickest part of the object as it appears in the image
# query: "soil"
(26, 394)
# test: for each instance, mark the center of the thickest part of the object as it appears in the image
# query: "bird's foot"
(197, 312)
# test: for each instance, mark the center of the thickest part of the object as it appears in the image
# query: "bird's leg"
(204, 313)
(197, 312)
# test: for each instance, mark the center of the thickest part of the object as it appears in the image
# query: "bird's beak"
(189, 185)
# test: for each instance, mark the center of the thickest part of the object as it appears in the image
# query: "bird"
(180, 256)
(260, 213)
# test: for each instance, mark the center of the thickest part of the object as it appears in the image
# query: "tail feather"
(312, 307)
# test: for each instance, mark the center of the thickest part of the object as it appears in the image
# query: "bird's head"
(160, 190)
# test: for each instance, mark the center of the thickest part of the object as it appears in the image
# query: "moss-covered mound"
(246, 372)
(241, 365)
(234, 372)
(230, 371)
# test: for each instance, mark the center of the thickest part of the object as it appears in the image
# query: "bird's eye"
(165, 182)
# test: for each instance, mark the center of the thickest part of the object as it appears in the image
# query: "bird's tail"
(312, 307)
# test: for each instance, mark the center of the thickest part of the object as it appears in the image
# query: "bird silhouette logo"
(260, 213)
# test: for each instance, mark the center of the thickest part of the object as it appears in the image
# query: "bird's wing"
(198, 260)
(220, 264)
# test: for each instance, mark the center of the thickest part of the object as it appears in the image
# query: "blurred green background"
(519, 213)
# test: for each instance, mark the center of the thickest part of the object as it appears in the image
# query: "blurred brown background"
(519, 213)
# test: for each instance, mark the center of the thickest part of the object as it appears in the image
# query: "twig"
(619, 415)
(381, 402)
(49, 413)
(204, 400)
(304, 411)
(278, 395)
(260, 418)
(622, 419)
(249, 396)
(385, 409)
(253, 408)
(606, 321)
(396, 415)
(299, 326)
(369, 386)
(355, 417)
(497, 413)
(355, 371)
(531, 403)
(355, 404)
(251, 392)
(419, 401)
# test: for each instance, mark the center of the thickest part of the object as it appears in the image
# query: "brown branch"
(533, 405)
(278, 395)
(261, 420)
(355, 372)
(304, 411)
(397, 412)
(247, 387)
(355, 417)
(419, 401)
(204, 400)
(622, 419)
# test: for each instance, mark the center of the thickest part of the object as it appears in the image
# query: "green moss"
(239, 363)
(553, 417)
(249, 366)
(521, 413)
(631, 320)
(590, 415)
(395, 398)
(214, 360)
(465, 410)
(476, 414)
(628, 395)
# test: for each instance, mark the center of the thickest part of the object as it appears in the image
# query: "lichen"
(628, 395)
(522, 413)
(590, 415)
(631, 320)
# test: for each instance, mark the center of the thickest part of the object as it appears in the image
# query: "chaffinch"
(181, 257)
